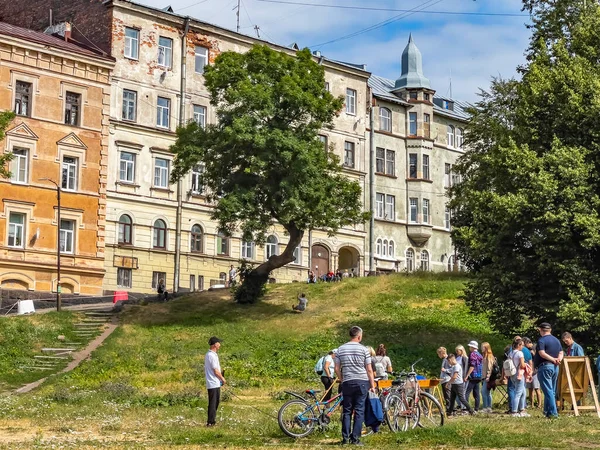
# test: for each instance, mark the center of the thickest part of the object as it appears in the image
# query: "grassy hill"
(145, 386)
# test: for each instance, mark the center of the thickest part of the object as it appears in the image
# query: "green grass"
(145, 386)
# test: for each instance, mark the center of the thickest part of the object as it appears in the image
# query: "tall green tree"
(263, 160)
(6, 118)
(527, 209)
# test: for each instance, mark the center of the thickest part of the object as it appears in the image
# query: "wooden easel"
(574, 379)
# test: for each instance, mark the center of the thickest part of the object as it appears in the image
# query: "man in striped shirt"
(354, 371)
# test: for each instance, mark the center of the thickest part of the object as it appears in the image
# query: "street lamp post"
(58, 287)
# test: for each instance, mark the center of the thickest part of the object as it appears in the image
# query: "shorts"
(535, 383)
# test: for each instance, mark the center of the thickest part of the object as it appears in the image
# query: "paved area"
(104, 306)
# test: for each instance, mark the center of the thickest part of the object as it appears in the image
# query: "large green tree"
(6, 118)
(527, 209)
(263, 160)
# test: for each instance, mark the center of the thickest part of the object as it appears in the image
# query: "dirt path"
(78, 357)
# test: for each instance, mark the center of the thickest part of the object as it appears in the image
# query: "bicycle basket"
(411, 387)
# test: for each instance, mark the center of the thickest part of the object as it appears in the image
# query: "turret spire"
(412, 76)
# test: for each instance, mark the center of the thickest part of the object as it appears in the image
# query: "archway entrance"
(348, 259)
(320, 260)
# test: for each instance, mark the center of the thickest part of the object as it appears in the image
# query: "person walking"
(445, 374)
(573, 348)
(328, 374)
(457, 388)
(534, 385)
(353, 369)
(517, 408)
(548, 357)
(488, 376)
(474, 373)
(232, 275)
(214, 379)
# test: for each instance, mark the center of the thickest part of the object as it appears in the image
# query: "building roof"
(412, 68)
(47, 40)
(383, 87)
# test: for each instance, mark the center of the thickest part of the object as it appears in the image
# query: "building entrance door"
(320, 260)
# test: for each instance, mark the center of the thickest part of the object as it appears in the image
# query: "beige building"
(60, 94)
(417, 137)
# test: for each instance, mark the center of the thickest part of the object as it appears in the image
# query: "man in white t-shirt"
(214, 379)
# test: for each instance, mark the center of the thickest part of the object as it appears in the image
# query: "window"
(16, 231)
(123, 277)
(201, 282)
(69, 173)
(272, 246)
(384, 245)
(459, 138)
(223, 277)
(18, 168)
(451, 263)
(165, 51)
(197, 171)
(132, 39)
(247, 250)
(447, 216)
(385, 161)
(426, 167)
(390, 207)
(161, 173)
(196, 239)
(200, 115)
(129, 104)
(323, 140)
(412, 118)
(385, 119)
(349, 154)
(426, 210)
(450, 136)
(350, 101)
(158, 276)
(412, 165)
(23, 98)
(379, 205)
(72, 108)
(298, 255)
(163, 107)
(222, 244)
(426, 96)
(414, 210)
(427, 125)
(378, 247)
(125, 226)
(380, 160)
(391, 249)
(127, 167)
(410, 259)
(414, 95)
(67, 235)
(327, 86)
(201, 59)
(447, 104)
(447, 175)
(192, 283)
(424, 260)
(159, 234)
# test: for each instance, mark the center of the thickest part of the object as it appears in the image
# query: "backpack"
(379, 368)
(509, 367)
(319, 366)
(495, 372)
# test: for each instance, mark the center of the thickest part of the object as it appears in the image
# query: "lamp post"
(58, 289)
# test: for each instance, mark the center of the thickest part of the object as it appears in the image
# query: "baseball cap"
(545, 326)
(213, 340)
(473, 344)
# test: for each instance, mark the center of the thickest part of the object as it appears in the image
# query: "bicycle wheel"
(390, 408)
(296, 418)
(401, 415)
(431, 412)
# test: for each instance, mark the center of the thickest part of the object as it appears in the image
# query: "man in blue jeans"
(354, 371)
(547, 359)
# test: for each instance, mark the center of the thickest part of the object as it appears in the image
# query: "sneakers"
(524, 414)
(515, 414)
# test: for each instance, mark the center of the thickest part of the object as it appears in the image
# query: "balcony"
(419, 233)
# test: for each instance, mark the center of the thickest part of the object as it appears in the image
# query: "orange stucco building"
(61, 94)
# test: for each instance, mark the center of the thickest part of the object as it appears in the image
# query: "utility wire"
(193, 4)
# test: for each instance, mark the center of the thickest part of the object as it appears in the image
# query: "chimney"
(67, 31)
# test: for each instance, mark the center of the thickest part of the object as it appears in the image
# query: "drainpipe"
(371, 187)
(177, 268)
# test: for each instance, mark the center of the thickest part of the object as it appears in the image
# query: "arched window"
(391, 249)
(272, 246)
(160, 234)
(222, 277)
(450, 263)
(459, 138)
(196, 239)
(410, 259)
(378, 247)
(385, 119)
(125, 225)
(222, 243)
(424, 260)
(384, 247)
(450, 136)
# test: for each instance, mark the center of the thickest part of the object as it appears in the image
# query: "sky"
(461, 51)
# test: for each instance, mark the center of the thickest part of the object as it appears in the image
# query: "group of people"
(330, 276)
(526, 367)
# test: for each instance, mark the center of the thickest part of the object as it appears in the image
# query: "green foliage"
(526, 212)
(6, 118)
(263, 160)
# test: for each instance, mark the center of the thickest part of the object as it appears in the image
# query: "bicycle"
(407, 406)
(299, 417)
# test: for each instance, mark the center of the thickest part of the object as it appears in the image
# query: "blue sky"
(470, 49)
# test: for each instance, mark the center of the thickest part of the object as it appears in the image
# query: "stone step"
(74, 344)
(58, 349)
(51, 357)
(94, 321)
(36, 368)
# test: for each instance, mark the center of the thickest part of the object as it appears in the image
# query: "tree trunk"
(253, 286)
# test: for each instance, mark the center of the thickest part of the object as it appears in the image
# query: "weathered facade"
(60, 94)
